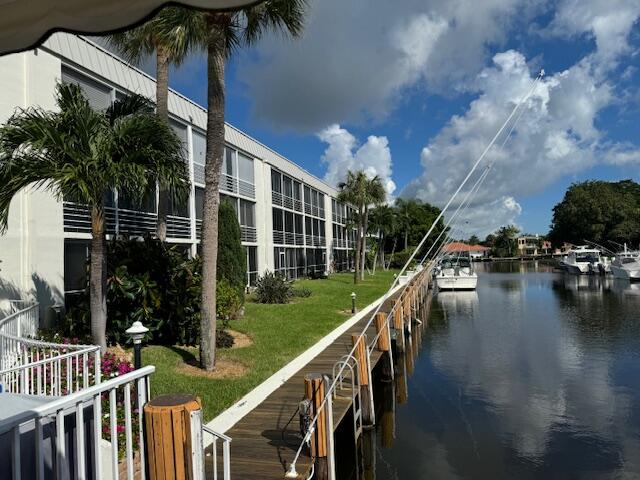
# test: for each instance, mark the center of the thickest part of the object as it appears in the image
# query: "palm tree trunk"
(162, 109)
(98, 279)
(214, 153)
(406, 239)
(381, 249)
(358, 247)
(365, 221)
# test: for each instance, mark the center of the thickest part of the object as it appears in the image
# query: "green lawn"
(279, 333)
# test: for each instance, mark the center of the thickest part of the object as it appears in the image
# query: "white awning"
(26, 23)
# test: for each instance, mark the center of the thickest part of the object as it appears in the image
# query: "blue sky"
(414, 90)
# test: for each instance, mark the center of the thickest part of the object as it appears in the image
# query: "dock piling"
(315, 387)
(364, 372)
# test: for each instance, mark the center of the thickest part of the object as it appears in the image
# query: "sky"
(414, 91)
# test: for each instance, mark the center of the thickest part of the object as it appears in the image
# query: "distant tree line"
(598, 211)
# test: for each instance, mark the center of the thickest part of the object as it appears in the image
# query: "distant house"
(475, 252)
(532, 245)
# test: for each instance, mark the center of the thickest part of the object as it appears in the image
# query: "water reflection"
(534, 376)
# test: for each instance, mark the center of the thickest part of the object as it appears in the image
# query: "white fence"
(33, 367)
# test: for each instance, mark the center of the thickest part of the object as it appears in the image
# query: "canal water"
(534, 375)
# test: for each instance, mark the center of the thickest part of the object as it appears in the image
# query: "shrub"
(273, 288)
(400, 258)
(232, 259)
(223, 339)
(302, 292)
(228, 303)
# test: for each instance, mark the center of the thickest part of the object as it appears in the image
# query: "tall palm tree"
(225, 33)
(354, 191)
(383, 221)
(375, 194)
(404, 218)
(80, 154)
(171, 34)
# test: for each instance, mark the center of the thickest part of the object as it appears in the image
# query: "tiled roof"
(464, 247)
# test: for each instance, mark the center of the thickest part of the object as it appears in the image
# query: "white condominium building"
(290, 220)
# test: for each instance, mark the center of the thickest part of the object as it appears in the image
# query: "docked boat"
(581, 260)
(626, 265)
(455, 273)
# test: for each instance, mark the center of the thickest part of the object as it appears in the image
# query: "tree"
(506, 242)
(225, 32)
(598, 211)
(80, 154)
(354, 191)
(382, 220)
(171, 34)
(403, 218)
(473, 240)
(232, 260)
(375, 194)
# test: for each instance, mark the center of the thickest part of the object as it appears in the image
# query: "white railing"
(212, 471)
(63, 451)
(32, 367)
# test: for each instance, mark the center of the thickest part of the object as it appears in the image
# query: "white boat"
(626, 265)
(581, 260)
(455, 273)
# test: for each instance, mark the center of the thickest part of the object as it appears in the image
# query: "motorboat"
(581, 260)
(455, 273)
(626, 265)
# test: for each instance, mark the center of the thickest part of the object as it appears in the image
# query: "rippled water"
(535, 375)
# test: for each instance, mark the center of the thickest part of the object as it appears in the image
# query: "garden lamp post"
(353, 302)
(136, 332)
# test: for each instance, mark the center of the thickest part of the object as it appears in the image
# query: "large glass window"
(146, 204)
(228, 166)
(199, 148)
(276, 185)
(298, 223)
(307, 195)
(287, 186)
(98, 95)
(245, 168)
(247, 217)
(199, 202)
(278, 224)
(288, 222)
(76, 254)
(297, 190)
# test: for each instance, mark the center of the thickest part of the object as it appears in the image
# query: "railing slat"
(127, 429)
(39, 452)
(15, 453)
(61, 446)
(113, 429)
(80, 448)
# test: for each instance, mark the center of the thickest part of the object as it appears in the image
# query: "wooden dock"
(265, 440)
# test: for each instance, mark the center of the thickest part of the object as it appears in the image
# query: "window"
(252, 265)
(199, 148)
(297, 190)
(76, 254)
(245, 168)
(288, 222)
(287, 186)
(199, 202)
(307, 195)
(278, 224)
(146, 204)
(276, 181)
(307, 226)
(321, 229)
(321, 201)
(298, 223)
(178, 208)
(228, 166)
(247, 217)
(99, 95)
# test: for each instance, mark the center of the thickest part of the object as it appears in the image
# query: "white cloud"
(356, 58)
(343, 153)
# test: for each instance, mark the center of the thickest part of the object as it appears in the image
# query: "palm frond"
(279, 16)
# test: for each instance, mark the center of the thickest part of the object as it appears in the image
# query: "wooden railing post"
(315, 388)
(384, 344)
(364, 373)
(398, 325)
(174, 437)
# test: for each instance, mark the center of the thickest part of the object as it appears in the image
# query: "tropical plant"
(232, 259)
(382, 221)
(506, 242)
(80, 155)
(375, 194)
(404, 218)
(171, 34)
(273, 288)
(225, 33)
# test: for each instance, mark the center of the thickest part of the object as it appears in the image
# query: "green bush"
(232, 259)
(159, 285)
(273, 288)
(400, 258)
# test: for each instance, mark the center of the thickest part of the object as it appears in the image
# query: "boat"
(581, 260)
(626, 265)
(455, 273)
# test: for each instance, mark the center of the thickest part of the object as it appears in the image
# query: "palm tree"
(375, 194)
(353, 191)
(171, 34)
(225, 33)
(383, 221)
(80, 154)
(403, 218)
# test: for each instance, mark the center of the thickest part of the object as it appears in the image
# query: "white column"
(192, 193)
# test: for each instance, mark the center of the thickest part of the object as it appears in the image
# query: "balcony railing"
(212, 471)
(178, 227)
(248, 234)
(280, 200)
(235, 185)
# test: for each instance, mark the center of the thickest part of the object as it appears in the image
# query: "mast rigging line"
(291, 473)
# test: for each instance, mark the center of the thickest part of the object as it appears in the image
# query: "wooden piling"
(382, 329)
(171, 441)
(398, 325)
(364, 373)
(314, 391)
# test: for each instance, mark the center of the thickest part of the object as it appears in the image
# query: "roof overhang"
(25, 24)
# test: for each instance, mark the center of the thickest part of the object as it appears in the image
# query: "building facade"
(291, 221)
(533, 245)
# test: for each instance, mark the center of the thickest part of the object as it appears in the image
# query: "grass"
(279, 333)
